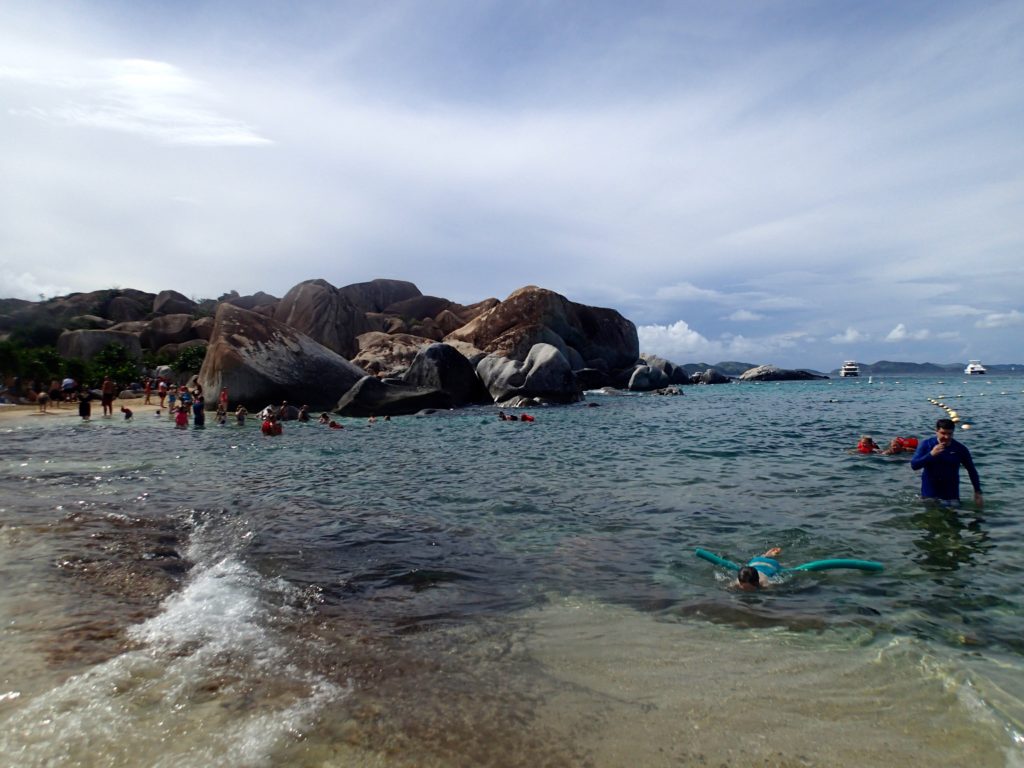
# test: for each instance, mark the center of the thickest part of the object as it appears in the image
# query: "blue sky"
(788, 182)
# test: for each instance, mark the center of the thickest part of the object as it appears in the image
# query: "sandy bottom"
(638, 691)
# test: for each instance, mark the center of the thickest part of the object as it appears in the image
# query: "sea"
(449, 589)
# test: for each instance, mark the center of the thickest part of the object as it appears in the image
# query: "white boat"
(974, 368)
(850, 368)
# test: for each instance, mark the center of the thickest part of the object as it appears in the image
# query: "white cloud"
(28, 285)
(680, 343)
(153, 99)
(955, 310)
(688, 291)
(1001, 319)
(900, 333)
(744, 316)
(851, 336)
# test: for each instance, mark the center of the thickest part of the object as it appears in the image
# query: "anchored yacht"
(850, 368)
(975, 368)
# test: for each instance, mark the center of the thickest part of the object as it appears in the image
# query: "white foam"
(211, 683)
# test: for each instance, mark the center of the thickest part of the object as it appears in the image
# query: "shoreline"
(23, 413)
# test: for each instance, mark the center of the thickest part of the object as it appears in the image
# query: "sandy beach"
(10, 414)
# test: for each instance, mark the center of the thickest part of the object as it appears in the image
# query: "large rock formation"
(710, 376)
(372, 397)
(445, 369)
(385, 354)
(675, 374)
(253, 301)
(440, 377)
(772, 373)
(85, 345)
(544, 375)
(173, 303)
(584, 335)
(263, 361)
(376, 295)
(169, 329)
(325, 314)
(645, 379)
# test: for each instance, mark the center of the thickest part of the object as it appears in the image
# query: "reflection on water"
(950, 540)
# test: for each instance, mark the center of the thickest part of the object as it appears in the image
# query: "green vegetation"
(43, 364)
(190, 360)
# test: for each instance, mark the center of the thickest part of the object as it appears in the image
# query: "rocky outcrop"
(372, 397)
(131, 326)
(384, 354)
(443, 368)
(675, 374)
(773, 373)
(203, 328)
(645, 379)
(125, 309)
(439, 377)
(545, 374)
(532, 315)
(325, 314)
(84, 345)
(173, 303)
(710, 376)
(418, 307)
(261, 360)
(376, 295)
(253, 301)
(89, 323)
(169, 329)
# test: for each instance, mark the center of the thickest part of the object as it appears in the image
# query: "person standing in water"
(940, 458)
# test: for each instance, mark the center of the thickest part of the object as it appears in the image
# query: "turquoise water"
(456, 590)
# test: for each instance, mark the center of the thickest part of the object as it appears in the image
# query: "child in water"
(758, 572)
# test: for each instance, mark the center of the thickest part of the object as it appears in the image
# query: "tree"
(190, 360)
(115, 361)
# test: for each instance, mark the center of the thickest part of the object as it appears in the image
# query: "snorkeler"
(759, 570)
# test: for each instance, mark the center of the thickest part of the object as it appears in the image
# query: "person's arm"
(972, 472)
(921, 455)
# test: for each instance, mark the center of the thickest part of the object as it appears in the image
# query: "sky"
(796, 183)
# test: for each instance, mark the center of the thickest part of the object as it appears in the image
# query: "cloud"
(688, 291)
(1001, 319)
(152, 99)
(28, 285)
(680, 343)
(851, 336)
(744, 316)
(900, 333)
(955, 310)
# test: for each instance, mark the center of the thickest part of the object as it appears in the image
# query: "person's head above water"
(944, 429)
(749, 578)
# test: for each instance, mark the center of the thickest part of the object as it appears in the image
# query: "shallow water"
(455, 590)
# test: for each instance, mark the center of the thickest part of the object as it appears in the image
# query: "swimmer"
(867, 444)
(324, 419)
(335, 425)
(758, 572)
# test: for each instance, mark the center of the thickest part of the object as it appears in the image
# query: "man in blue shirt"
(940, 457)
